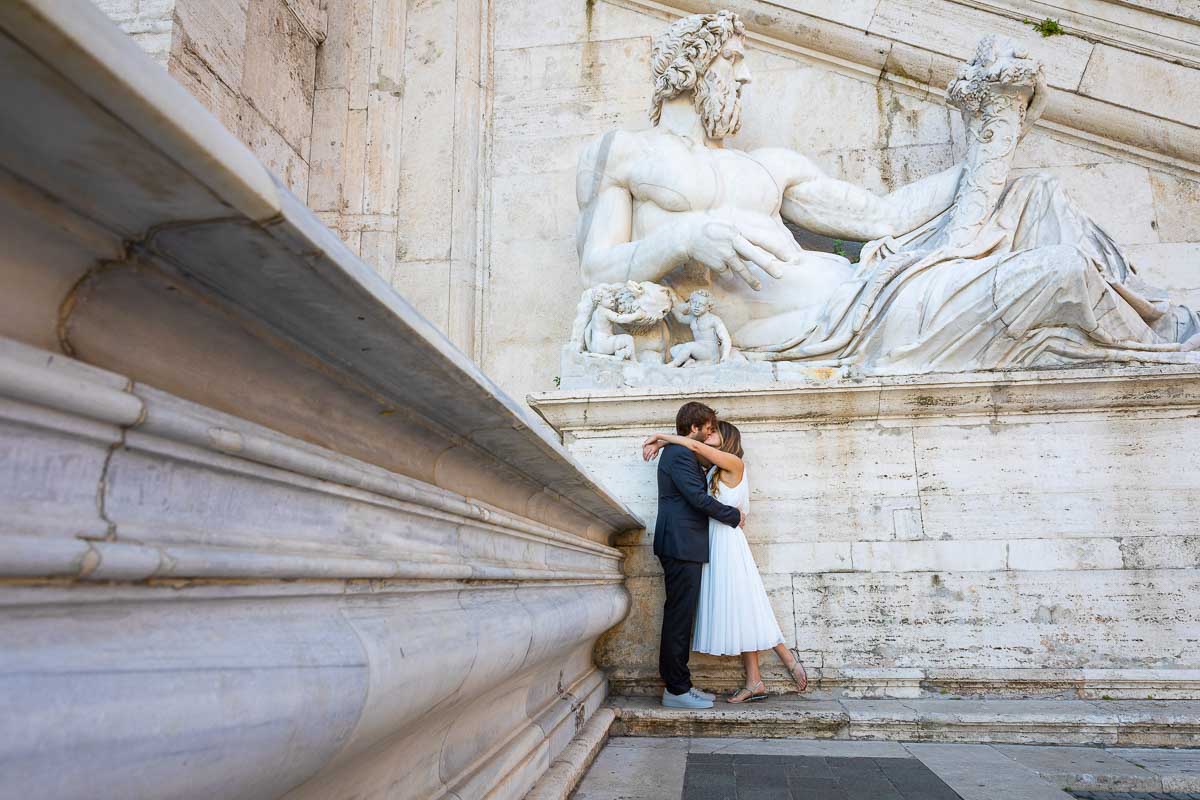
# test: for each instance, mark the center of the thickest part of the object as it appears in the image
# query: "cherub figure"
(711, 343)
(599, 336)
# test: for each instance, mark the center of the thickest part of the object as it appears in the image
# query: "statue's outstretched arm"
(833, 207)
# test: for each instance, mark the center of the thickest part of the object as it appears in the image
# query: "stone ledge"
(57, 410)
(1168, 723)
(904, 684)
(569, 768)
(818, 395)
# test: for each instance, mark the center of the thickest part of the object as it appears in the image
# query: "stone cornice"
(142, 538)
(1085, 105)
(839, 400)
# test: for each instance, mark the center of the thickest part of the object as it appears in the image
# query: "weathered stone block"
(1177, 207)
(1143, 82)
(280, 65)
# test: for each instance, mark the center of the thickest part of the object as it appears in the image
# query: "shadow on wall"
(824, 244)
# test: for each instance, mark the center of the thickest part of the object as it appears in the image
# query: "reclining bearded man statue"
(965, 270)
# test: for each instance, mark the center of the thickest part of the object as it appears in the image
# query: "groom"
(681, 544)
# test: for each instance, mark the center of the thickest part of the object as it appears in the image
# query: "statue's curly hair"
(683, 53)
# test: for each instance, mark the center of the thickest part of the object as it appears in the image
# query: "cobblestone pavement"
(682, 768)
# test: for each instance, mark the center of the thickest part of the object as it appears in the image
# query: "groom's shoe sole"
(692, 706)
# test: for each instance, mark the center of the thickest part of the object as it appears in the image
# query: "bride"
(734, 616)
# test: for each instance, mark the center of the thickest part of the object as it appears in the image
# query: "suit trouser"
(679, 617)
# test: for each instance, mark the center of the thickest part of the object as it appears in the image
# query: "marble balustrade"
(266, 532)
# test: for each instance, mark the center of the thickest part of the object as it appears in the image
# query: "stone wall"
(1016, 533)
(858, 87)
(252, 63)
(371, 111)
(148, 22)
(399, 129)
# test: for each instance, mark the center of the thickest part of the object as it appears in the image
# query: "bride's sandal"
(749, 694)
(799, 675)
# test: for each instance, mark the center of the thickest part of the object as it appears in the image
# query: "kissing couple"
(715, 600)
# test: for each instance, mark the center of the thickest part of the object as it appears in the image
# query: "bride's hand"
(651, 448)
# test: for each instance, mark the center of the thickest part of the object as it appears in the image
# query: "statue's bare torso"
(669, 178)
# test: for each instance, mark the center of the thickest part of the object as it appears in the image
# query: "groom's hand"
(742, 519)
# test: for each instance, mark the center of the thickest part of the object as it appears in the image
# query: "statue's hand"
(719, 246)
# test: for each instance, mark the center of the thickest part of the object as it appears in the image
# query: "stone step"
(1111, 723)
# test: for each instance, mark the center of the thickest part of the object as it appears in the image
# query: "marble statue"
(640, 309)
(598, 334)
(964, 269)
(710, 338)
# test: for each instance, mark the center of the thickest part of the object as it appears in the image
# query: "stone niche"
(994, 533)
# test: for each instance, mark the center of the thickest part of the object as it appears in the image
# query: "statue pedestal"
(587, 372)
(990, 533)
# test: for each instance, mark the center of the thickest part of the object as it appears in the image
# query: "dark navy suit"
(681, 544)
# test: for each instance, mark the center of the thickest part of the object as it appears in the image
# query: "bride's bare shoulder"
(738, 483)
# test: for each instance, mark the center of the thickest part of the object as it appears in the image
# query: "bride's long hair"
(731, 442)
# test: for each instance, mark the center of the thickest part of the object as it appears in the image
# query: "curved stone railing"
(265, 531)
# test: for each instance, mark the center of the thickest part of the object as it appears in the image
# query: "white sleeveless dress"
(735, 615)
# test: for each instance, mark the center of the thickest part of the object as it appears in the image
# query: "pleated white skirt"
(735, 615)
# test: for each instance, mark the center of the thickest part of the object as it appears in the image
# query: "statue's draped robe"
(1038, 285)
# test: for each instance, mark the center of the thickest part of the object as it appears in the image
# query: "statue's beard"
(719, 106)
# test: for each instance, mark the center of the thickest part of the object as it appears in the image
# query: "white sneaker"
(689, 699)
(704, 694)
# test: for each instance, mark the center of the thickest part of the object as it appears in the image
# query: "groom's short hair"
(693, 415)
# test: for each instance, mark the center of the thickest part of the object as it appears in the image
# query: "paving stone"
(649, 742)
(981, 773)
(761, 793)
(1083, 767)
(634, 773)
(711, 793)
(1179, 770)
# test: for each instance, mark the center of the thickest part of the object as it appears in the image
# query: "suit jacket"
(684, 506)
